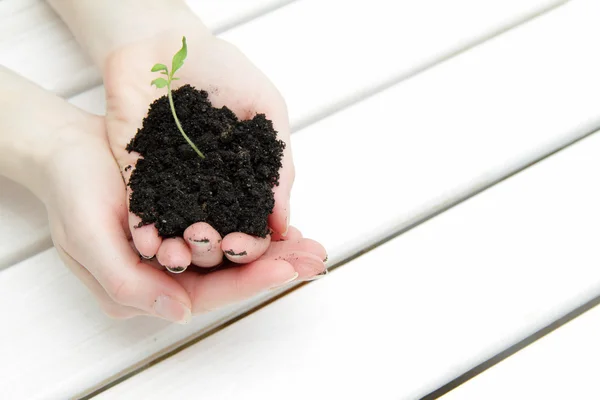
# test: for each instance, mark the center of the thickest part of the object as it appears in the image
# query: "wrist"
(29, 120)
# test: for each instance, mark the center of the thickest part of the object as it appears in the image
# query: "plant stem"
(179, 124)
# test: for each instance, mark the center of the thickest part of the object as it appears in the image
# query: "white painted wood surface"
(323, 55)
(405, 318)
(36, 43)
(562, 365)
(469, 153)
(32, 36)
(320, 69)
(57, 344)
(23, 224)
(534, 109)
(448, 132)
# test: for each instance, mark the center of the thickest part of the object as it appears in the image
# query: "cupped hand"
(85, 197)
(231, 80)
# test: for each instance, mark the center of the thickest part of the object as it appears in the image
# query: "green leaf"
(179, 57)
(159, 83)
(160, 67)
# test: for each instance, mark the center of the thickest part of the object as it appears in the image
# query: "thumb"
(279, 220)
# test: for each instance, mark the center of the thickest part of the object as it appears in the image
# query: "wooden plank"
(23, 224)
(324, 55)
(449, 106)
(403, 319)
(68, 345)
(221, 15)
(562, 365)
(424, 144)
(35, 42)
(362, 61)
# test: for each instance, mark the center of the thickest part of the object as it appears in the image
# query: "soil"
(231, 189)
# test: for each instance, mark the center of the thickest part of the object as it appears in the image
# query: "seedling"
(178, 60)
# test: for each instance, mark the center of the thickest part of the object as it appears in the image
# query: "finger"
(292, 234)
(218, 289)
(306, 255)
(241, 248)
(175, 255)
(303, 245)
(145, 237)
(279, 220)
(308, 265)
(205, 244)
(108, 306)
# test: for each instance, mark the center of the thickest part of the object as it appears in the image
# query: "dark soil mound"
(231, 189)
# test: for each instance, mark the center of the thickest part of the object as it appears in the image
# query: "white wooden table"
(473, 227)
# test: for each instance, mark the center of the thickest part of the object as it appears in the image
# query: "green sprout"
(178, 60)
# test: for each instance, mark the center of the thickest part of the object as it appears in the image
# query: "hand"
(85, 197)
(65, 156)
(231, 80)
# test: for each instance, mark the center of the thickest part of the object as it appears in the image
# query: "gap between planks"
(244, 20)
(492, 361)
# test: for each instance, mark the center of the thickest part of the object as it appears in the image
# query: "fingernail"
(172, 310)
(292, 279)
(176, 270)
(199, 242)
(287, 225)
(319, 276)
(326, 258)
(234, 254)
(287, 219)
(146, 257)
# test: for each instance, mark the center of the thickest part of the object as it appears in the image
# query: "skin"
(76, 163)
